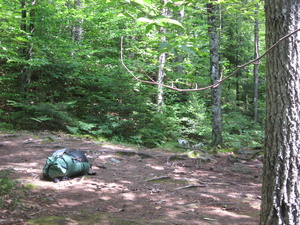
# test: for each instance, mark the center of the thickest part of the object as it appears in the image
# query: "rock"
(231, 158)
(240, 168)
(260, 166)
(115, 160)
(244, 152)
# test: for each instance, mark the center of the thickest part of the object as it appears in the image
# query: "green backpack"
(63, 165)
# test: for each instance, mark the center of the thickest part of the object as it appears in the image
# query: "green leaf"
(143, 2)
(170, 21)
(21, 39)
(187, 49)
(41, 119)
(163, 45)
(144, 20)
(73, 130)
(149, 27)
(86, 126)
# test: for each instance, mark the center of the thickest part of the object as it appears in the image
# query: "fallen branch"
(190, 186)
(210, 86)
(158, 178)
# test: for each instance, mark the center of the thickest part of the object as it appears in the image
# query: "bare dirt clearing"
(131, 186)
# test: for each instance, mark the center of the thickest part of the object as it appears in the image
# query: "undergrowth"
(8, 187)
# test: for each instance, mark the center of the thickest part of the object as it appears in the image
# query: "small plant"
(7, 186)
(30, 186)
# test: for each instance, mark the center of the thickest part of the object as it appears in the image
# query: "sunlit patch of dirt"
(132, 188)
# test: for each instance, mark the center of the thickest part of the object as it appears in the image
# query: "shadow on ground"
(143, 187)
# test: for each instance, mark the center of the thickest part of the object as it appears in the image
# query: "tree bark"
(161, 62)
(77, 29)
(27, 26)
(216, 92)
(160, 79)
(180, 57)
(255, 69)
(281, 177)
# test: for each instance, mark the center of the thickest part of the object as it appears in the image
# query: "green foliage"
(7, 187)
(189, 120)
(239, 132)
(41, 116)
(50, 81)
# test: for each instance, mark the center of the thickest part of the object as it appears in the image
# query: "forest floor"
(131, 186)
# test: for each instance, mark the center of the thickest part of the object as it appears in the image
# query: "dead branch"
(191, 186)
(210, 86)
(158, 178)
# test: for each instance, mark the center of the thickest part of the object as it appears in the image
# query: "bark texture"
(255, 69)
(77, 30)
(27, 26)
(281, 187)
(162, 62)
(216, 92)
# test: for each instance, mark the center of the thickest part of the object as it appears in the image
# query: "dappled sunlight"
(115, 146)
(180, 170)
(125, 182)
(104, 157)
(134, 187)
(226, 213)
(129, 196)
(155, 167)
(33, 166)
(210, 197)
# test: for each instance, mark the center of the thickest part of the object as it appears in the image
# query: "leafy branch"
(151, 81)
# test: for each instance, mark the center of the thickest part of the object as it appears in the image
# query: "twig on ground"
(191, 186)
(158, 178)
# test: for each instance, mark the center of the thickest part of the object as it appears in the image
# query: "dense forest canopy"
(61, 70)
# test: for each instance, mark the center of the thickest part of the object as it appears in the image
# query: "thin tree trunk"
(161, 62)
(27, 25)
(281, 177)
(160, 79)
(23, 73)
(216, 92)
(180, 57)
(77, 30)
(255, 69)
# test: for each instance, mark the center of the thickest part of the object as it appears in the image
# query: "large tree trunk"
(216, 92)
(281, 177)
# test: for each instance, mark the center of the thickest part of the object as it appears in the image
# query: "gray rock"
(241, 168)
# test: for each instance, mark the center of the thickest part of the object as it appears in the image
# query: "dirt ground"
(131, 186)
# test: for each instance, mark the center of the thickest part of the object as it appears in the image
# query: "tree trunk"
(77, 30)
(216, 92)
(160, 79)
(281, 177)
(255, 69)
(27, 26)
(161, 62)
(180, 57)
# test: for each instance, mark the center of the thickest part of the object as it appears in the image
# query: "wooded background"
(61, 70)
